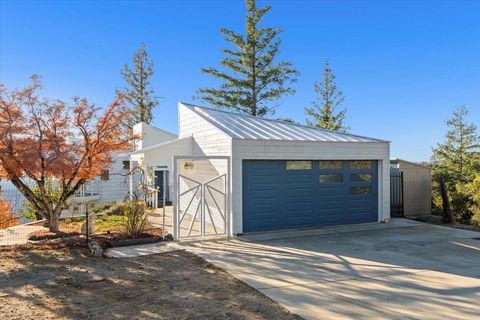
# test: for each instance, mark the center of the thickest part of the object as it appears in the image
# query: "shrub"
(136, 214)
(476, 217)
(116, 210)
(103, 207)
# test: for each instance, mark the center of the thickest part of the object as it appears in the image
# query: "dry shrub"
(136, 214)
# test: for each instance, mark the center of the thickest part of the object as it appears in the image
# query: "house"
(275, 175)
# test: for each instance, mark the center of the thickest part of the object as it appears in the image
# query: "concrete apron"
(404, 269)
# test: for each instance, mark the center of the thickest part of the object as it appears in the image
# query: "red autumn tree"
(69, 144)
(7, 217)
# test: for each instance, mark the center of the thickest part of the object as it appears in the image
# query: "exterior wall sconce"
(188, 165)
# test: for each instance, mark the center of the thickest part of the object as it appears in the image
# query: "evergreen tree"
(457, 160)
(286, 120)
(138, 93)
(323, 112)
(251, 81)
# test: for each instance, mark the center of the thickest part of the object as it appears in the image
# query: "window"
(299, 165)
(105, 175)
(360, 164)
(126, 164)
(360, 190)
(361, 177)
(331, 178)
(331, 164)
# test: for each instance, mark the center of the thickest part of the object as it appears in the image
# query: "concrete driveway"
(400, 270)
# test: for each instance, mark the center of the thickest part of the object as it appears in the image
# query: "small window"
(299, 165)
(331, 178)
(330, 164)
(360, 190)
(126, 164)
(105, 175)
(361, 177)
(360, 164)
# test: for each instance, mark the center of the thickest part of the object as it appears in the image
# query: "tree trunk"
(53, 223)
(447, 213)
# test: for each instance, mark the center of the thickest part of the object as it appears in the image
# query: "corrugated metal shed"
(240, 126)
(417, 187)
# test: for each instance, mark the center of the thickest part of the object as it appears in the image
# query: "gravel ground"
(69, 285)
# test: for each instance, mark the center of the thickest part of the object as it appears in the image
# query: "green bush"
(116, 210)
(104, 207)
(476, 217)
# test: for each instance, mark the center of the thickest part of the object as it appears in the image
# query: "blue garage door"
(301, 194)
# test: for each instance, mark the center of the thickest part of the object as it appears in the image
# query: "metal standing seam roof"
(239, 126)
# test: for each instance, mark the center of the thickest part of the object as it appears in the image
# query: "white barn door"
(202, 198)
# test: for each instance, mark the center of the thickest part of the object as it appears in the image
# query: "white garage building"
(238, 174)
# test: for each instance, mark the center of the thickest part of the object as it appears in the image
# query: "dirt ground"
(69, 285)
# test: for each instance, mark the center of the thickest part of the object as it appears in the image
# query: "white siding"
(208, 141)
(117, 186)
(163, 156)
(417, 186)
(303, 150)
(150, 135)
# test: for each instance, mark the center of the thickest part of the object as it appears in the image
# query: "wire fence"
(90, 198)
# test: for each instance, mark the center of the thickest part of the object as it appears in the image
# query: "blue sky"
(402, 65)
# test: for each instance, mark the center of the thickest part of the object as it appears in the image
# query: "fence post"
(87, 229)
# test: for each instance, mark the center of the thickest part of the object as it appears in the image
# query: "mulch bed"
(46, 240)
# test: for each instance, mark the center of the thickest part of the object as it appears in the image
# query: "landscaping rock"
(95, 249)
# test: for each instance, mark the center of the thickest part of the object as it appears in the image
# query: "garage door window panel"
(361, 165)
(331, 178)
(361, 177)
(330, 164)
(299, 165)
(364, 190)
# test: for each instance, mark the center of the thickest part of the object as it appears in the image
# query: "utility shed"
(417, 188)
(288, 176)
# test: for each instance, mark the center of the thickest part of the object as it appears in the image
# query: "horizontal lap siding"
(208, 141)
(302, 150)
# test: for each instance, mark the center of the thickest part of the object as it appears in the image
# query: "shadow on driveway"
(391, 271)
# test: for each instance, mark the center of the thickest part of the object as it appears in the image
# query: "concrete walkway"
(17, 234)
(401, 270)
(142, 250)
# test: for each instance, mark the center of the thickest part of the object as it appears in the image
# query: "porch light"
(188, 165)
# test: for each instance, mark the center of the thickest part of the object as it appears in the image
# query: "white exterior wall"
(150, 135)
(161, 158)
(301, 150)
(117, 186)
(208, 141)
(417, 189)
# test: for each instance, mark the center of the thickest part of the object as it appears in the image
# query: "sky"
(403, 66)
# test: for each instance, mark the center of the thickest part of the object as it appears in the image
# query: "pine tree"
(457, 160)
(138, 93)
(251, 81)
(323, 112)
